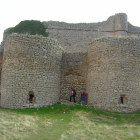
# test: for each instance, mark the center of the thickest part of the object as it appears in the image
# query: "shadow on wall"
(73, 73)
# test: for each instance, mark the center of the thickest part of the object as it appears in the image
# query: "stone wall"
(114, 73)
(133, 29)
(34, 67)
(73, 40)
(75, 37)
(31, 71)
(113, 23)
(1, 58)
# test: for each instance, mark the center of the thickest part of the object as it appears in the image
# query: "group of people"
(83, 96)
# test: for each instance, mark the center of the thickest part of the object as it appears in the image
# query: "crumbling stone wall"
(114, 73)
(31, 71)
(76, 37)
(133, 31)
(113, 23)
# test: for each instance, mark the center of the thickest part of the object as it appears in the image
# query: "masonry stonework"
(113, 71)
(99, 58)
(73, 73)
(31, 71)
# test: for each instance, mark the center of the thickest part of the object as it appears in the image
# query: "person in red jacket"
(83, 96)
(72, 95)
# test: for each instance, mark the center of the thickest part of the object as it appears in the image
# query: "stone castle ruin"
(102, 59)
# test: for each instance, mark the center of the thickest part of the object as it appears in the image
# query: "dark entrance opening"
(31, 98)
(121, 100)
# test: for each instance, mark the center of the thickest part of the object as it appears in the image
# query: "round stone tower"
(113, 76)
(30, 72)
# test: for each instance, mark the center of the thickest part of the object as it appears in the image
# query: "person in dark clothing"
(83, 96)
(72, 95)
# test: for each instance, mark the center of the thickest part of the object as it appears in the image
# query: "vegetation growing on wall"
(32, 27)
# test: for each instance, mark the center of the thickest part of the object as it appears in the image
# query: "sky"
(70, 11)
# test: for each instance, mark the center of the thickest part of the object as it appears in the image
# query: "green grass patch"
(63, 122)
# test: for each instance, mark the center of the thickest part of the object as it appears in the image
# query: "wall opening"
(31, 97)
(122, 99)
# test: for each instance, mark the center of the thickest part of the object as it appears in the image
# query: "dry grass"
(92, 130)
(66, 123)
(13, 126)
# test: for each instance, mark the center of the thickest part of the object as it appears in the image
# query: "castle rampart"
(36, 72)
(76, 37)
(113, 23)
(31, 71)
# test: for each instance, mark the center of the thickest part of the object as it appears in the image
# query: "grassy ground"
(62, 122)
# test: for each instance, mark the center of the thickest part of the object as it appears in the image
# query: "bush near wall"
(32, 27)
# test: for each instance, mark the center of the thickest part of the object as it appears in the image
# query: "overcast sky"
(71, 11)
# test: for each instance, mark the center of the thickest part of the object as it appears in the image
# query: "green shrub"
(32, 27)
